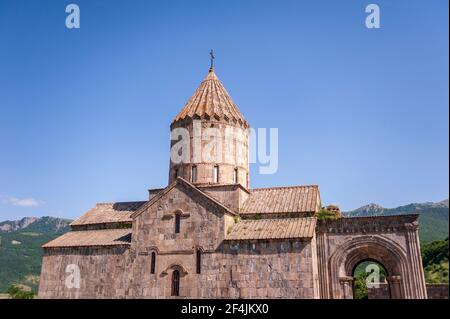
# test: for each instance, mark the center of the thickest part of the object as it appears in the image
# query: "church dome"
(217, 151)
(211, 100)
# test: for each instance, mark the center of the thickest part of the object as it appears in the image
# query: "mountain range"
(433, 217)
(20, 248)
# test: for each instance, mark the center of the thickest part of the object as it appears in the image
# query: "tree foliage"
(435, 261)
(325, 214)
(360, 278)
(16, 292)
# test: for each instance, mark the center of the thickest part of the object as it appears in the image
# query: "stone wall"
(103, 272)
(381, 292)
(202, 223)
(315, 267)
(257, 269)
(437, 291)
(232, 196)
(232, 154)
(269, 269)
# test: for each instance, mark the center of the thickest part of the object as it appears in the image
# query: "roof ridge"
(98, 230)
(70, 238)
(217, 185)
(283, 187)
(277, 219)
(112, 203)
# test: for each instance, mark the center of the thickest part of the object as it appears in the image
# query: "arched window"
(176, 173)
(176, 282)
(198, 261)
(194, 174)
(216, 174)
(177, 222)
(153, 263)
(235, 176)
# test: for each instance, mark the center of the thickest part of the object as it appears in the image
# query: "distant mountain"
(367, 210)
(44, 224)
(433, 217)
(12, 225)
(20, 248)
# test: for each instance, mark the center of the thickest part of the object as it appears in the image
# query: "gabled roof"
(279, 228)
(278, 200)
(211, 100)
(108, 213)
(104, 237)
(181, 181)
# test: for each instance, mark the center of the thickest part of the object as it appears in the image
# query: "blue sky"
(85, 114)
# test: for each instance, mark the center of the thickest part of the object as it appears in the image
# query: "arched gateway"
(392, 241)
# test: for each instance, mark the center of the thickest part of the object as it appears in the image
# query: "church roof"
(278, 200)
(108, 213)
(274, 200)
(212, 100)
(104, 237)
(280, 228)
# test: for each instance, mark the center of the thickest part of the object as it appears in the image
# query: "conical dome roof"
(212, 100)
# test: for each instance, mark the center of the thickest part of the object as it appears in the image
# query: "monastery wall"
(102, 272)
(269, 269)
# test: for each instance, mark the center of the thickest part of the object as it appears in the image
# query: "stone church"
(208, 234)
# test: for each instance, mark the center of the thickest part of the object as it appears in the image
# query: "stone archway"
(347, 256)
(392, 240)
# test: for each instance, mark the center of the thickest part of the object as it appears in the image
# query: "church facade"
(209, 235)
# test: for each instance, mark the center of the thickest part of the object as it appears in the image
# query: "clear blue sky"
(85, 114)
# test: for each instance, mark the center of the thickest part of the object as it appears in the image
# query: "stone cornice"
(373, 224)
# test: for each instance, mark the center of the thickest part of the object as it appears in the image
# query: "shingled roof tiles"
(211, 99)
(293, 199)
(108, 213)
(280, 228)
(104, 237)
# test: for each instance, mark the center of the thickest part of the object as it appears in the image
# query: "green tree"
(360, 278)
(435, 261)
(16, 292)
(325, 214)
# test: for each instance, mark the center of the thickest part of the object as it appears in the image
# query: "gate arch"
(391, 255)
